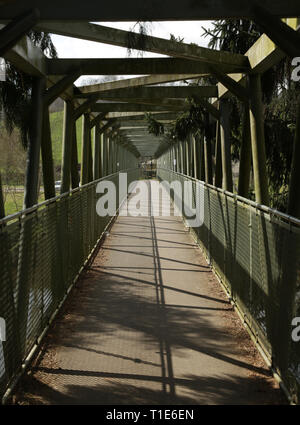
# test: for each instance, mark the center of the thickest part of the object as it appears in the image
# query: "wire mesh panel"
(255, 251)
(42, 250)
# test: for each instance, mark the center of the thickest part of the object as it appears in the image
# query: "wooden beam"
(155, 10)
(136, 82)
(135, 66)
(262, 55)
(211, 109)
(245, 154)
(34, 148)
(147, 92)
(140, 116)
(27, 57)
(126, 39)
(57, 89)
(235, 88)
(68, 127)
(283, 36)
(225, 145)
(12, 32)
(258, 141)
(131, 107)
(85, 150)
(97, 119)
(84, 107)
(47, 156)
(178, 104)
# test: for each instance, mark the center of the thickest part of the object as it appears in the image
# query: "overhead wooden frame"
(136, 66)
(155, 10)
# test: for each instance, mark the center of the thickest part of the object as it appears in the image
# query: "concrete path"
(147, 325)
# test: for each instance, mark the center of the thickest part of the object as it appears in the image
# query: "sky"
(190, 31)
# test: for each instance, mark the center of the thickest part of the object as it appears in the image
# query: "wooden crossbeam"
(27, 57)
(236, 88)
(131, 107)
(262, 55)
(135, 10)
(135, 66)
(140, 116)
(12, 32)
(165, 92)
(57, 89)
(121, 38)
(283, 36)
(136, 82)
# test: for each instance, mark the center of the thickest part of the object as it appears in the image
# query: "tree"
(280, 96)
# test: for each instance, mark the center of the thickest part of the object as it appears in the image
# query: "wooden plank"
(127, 39)
(154, 10)
(135, 66)
(136, 82)
(162, 92)
(131, 107)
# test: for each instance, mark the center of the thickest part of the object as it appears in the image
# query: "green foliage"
(232, 35)
(56, 125)
(189, 122)
(176, 39)
(154, 126)
(280, 96)
(137, 41)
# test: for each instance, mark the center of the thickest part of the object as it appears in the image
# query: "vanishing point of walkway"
(148, 324)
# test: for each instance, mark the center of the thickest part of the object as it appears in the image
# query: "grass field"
(56, 124)
(14, 202)
(13, 199)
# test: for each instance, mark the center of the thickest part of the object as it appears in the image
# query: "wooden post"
(207, 152)
(108, 151)
(225, 145)
(187, 157)
(67, 146)
(258, 141)
(181, 157)
(101, 155)
(218, 157)
(34, 147)
(47, 158)
(104, 154)
(96, 164)
(245, 155)
(91, 159)
(74, 161)
(201, 159)
(85, 150)
(177, 158)
(191, 155)
(195, 158)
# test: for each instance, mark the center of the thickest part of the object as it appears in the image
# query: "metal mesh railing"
(42, 251)
(255, 252)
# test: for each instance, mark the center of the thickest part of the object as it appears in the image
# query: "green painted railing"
(42, 251)
(255, 252)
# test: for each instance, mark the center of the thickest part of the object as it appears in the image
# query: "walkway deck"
(149, 324)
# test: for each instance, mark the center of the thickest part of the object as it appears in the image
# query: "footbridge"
(199, 305)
